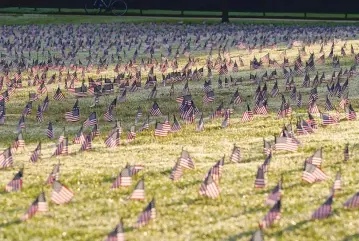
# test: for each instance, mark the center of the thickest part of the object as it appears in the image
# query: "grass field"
(182, 214)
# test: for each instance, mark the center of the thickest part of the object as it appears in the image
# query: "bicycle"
(117, 7)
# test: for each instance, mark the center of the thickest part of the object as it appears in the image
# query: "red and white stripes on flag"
(147, 215)
(39, 205)
(139, 191)
(209, 188)
(186, 161)
(16, 183)
(272, 215)
(286, 144)
(313, 173)
(54, 175)
(260, 181)
(324, 210)
(117, 234)
(60, 194)
(123, 180)
(236, 154)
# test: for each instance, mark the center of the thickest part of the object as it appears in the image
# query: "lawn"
(182, 214)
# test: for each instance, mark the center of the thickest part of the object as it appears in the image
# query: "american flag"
(226, 121)
(160, 130)
(260, 107)
(257, 236)
(265, 58)
(236, 99)
(138, 114)
(275, 89)
(350, 113)
(337, 182)
(327, 119)
(272, 215)
(39, 205)
(260, 181)
(50, 131)
(131, 135)
(73, 115)
(36, 153)
(62, 148)
(209, 97)
(148, 214)
(324, 210)
(155, 110)
(87, 144)
(317, 158)
(134, 169)
(186, 161)
(139, 191)
(123, 180)
(5, 96)
(247, 115)
(145, 125)
(45, 104)
(16, 183)
(19, 142)
(79, 137)
(60, 194)
(59, 95)
(346, 153)
(313, 173)
(275, 194)
(113, 139)
(200, 126)
(6, 159)
(285, 143)
(265, 165)
(118, 234)
(27, 109)
(39, 116)
(91, 120)
(108, 115)
(176, 125)
(344, 100)
(236, 154)
(352, 202)
(54, 175)
(299, 100)
(209, 188)
(42, 89)
(177, 172)
(267, 148)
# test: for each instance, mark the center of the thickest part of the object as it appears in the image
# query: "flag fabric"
(260, 181)
(21, 124)
(108, 115)
(160, 130)
(324, 210)
(16, 183)
(327, 119)
(91, 120)
(131, 135)
(39, 116)
(317, 158)
(352, 202)
(350, 113)
(39, 205)
(50, 131)
(113, 139)
(176, 126)
(87, 144)
(267, 148)
(209, 188)
(79, 137)
(118, 234)
(36, 153)
(62, 148)
(285, 143)
(155, 110)
(54, 175)
(176, 172)
(209, 97)
(60, 194)
(139, 191)
(6, 159)
(59, 96)
(19, 142)
(148, 214)
(123, 180)
(338, 181)
(186, 161)
(275, 194)
(45, 104)
(236, 154)
(272, 216)
(73, 116)
(313, 173)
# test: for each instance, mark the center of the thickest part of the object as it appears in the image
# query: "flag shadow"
(291, 227)
(351, 237)
(4, 225)
(239, 236)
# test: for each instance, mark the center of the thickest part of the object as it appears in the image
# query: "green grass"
(325, 15)
(182, 214)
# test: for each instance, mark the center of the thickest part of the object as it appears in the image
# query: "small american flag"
(209, 188)
(338, 181)
(272, 215)
(19, 142)
(6, 159)
(113, 139)
(285, 143)
(123, 180)
(160, 130)
(62, 148)
(327, 119)
(317, 158)
(16, 183)
(42, 89)
(155, 110)
(247, 115)
(59, 95)
(352, 202)
(328, 105)
(139, 191)
(176, 125)
(36, 153)
(177, 172)
(350, 113)
(260, 181)
(236, 154)
(186, 161)
(91, 120)
(209, 97)
(275, 194)
(50, 131)
(131, 135)
(39, 116)
(79, 137)
(21, 124)
(74, 115)
(148, 214)
(324, 210)
(117, 234)
(60, 194)
(108, 115)
(54, 175)
(236, 99)
(39, 205)
(87, 144)
(313, 173)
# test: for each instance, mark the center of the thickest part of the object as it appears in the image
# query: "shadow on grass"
(351, 237)
(4, 225)
(291, 228)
